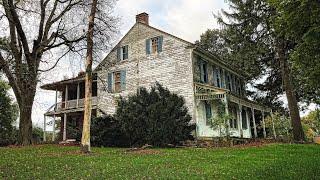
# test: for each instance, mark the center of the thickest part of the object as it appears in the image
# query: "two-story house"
(146, 55)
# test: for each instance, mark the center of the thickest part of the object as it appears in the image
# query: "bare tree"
(31, 29)
(85, 140)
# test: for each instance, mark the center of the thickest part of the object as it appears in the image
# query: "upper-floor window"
(117, 81)
(203, 71)
(217, 76)
(221, 78)
(122, 53)
(228, 81)
(154, 45)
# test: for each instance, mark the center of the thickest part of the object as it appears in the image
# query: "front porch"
(248, 117)
(69, 111)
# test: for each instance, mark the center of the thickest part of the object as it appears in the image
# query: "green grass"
(275, 161)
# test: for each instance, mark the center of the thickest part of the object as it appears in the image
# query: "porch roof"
(60, 85)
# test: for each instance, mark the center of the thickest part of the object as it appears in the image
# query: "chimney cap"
(143, 18)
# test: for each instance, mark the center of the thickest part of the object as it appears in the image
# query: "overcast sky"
(186, 19)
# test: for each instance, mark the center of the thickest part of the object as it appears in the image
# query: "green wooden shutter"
(160, 42)
(110, 82)
(123, 79)
(148, 42)
(119, 53)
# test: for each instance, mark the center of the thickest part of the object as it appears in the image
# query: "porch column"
(64, 127)
(227, 113)
(248, 121)
(254, 123)
(264, 126)
(44, 128)
(54, 117)
(78, 94)
(240, 120)
(273, 128)
(66, 97)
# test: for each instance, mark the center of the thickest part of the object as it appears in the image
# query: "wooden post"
(264, 126)
(240, 120)
(64, 127)
(248, 121)
(78, 94)
(44, 128)
(54, 118)
(66, 97)
(254, 123)
(273, 127)
(227, 113)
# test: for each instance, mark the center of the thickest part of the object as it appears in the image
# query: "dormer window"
(122, 53)
(154, 45)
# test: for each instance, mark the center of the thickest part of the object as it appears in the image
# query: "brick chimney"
(143, 18)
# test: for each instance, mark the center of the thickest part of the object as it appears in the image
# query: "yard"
(273, 161)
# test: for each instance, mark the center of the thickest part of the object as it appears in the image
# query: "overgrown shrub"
(105, 131)
(8, 115)
(156, 117)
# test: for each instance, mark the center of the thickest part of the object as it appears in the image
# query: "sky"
(187, 19)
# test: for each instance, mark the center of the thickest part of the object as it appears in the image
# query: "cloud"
(190, 18)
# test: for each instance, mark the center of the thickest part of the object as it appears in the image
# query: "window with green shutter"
(122, 53)
(154, 45)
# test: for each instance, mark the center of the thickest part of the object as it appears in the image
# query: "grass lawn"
(274, 161)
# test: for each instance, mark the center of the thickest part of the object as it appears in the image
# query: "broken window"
(122, 53)
(208, 112)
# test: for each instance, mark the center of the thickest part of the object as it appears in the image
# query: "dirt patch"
(143, 151)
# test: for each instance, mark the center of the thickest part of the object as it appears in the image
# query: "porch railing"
(73, 104)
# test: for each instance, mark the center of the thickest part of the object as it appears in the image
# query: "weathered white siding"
(172, 67)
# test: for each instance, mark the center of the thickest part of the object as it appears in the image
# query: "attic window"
(122, 53)
(154, 45)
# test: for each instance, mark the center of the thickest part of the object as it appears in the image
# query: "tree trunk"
(298, 134)
(85, 140)
(25, 123)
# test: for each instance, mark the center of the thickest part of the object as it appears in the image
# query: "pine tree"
(256, 45)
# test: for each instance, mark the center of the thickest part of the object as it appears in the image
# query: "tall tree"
(85, 140)
(254, 39)
(299, 21)
(31, 29)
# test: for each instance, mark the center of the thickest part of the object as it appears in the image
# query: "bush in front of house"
(157, 117)
(105, 131)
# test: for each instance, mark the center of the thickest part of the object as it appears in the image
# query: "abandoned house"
(146, 55)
